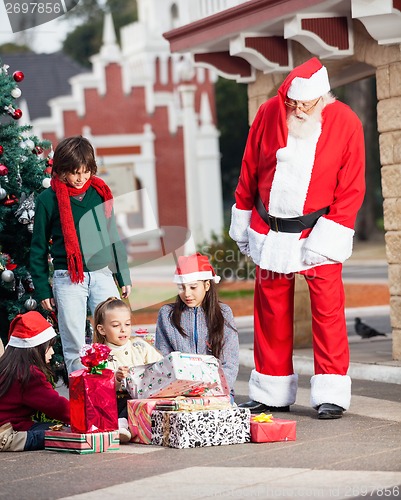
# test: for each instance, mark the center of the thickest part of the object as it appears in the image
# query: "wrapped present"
(182, 403)
(182, 429)
(93, 401)
(178, 374)
(68, 441)
(145, 335)
(140, 411)
(139, 419)
(266, 429)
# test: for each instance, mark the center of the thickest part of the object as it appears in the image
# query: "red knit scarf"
(63, 193)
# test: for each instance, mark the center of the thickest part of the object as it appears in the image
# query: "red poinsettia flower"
(94, 356)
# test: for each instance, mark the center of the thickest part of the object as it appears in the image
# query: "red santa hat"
(309, 81)
(193, 268)
(30, 330)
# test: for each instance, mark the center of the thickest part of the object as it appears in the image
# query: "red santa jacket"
(298, 176)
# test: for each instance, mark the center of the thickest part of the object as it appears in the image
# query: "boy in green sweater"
(76, 215)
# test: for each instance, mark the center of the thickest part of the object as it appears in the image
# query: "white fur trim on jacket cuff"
(331, 388)
(330, 239)
(271, 390)
(240, 220)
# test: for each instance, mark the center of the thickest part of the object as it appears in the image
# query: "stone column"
(389, 125)
(266, 86)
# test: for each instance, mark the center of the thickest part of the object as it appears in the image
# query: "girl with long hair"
(197, 322)
(26, 385)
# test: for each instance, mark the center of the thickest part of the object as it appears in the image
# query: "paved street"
(371, 272)
(358, 456)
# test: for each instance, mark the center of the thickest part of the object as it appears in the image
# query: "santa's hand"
(311, 258)
(244, 247)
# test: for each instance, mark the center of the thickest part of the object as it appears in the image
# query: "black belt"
(292, 224)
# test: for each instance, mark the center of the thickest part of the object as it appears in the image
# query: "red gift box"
(84, 444)
(276, 430)
(93, 401)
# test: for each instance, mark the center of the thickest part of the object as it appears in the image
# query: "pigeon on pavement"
(366, 331)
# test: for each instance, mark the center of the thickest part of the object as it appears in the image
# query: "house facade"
(150, 116)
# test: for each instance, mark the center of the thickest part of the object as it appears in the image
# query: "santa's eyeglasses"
(303, 106)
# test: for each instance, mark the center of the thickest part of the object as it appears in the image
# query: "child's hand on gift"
(121, 373)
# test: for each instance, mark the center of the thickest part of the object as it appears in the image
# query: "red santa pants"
(274, 315)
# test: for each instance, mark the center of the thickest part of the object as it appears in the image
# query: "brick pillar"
(389, 125)
(264, 87)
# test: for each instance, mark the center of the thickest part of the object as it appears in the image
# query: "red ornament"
(38, 150)
(17, 114)
(10, 200)
(49, 161)
(1, 150)
(18, 76)
(47, 170)
(3, 170)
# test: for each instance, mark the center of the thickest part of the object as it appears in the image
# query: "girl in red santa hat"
(25, 384)
(301, 185)
(88, 258)
(197, 322)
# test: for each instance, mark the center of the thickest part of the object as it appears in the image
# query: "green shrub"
(227, 260)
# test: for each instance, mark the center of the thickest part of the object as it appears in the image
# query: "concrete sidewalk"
(358, 456)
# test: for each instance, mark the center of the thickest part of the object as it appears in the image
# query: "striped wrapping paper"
(67, 441)
(139, 419)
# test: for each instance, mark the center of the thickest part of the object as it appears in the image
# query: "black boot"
(327, 411)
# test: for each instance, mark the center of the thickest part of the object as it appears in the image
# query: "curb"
(360, 371)
(350, 313)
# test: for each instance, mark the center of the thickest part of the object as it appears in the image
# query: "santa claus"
(300, 188)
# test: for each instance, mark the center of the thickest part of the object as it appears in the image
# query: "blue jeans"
(72, 300)
(35, 439)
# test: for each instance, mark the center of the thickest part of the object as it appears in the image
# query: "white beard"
(303, 125)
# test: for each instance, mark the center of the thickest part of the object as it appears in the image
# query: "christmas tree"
(25, 168)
